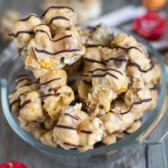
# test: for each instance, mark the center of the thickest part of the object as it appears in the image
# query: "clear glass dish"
(11, 65)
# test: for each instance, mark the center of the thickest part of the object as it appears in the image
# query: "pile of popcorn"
(90, 85)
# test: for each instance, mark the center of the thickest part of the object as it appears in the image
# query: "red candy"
(151, 25)
(13, 165)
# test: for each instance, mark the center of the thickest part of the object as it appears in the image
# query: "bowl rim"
(131, 139)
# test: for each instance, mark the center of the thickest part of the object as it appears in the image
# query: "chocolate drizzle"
(22, 79)
(56, 7)
(115, 47)
(30, 83)
(138, 89)
(56, 53)
(27, 18)
(104, 70)
(94, 61)
(124, 48)
(20, 76)
(87, 82)
(101, 75)
(77, 146)
(41, 124)
(22, 94)
(20, 49)
(58, 18)
(120, 58)
(86, 132)
(45, 83)
(139, 68)
(154, 87)
(47, 95)
(12, 103)
(96, 45)
(66, 127)
(135, 103)
(24, 104)
(66, 114)
(27, 124)
(21, 32)
(42, 31)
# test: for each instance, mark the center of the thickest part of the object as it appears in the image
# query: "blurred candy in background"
(154, 4)
(152, 24)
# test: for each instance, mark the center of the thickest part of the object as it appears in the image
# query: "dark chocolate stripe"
(59, 52)
(20, 76)
(139, 68)
(21, 32)
(85, 81)
(12, 103)
(94, 61)
(42, 31)
(71, 116)
(154, 87)
(125, 132)
(77, 146)
(101, 75)
(28, 84)
(27, 124)
(58, 18)
(47, 95)
(22, 79)
(86, 132)
(105, 61)
(40, 124)
(104, 70)
(56, 7)
(136, 103)
(24, 104)
(27, 18)
(20, 49)
(22, 94)
(96, 45)
(138, 89)
(45, 83)
(120, 59)
(116, 47)
(124, 48)
(65, 127)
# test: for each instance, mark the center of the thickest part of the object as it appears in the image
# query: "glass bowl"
(11, 65)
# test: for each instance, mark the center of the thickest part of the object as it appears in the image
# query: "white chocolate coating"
(7, 21)
(99, 99)
(86, 10)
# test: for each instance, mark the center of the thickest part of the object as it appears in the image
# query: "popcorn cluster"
(7, 21)
(86, 10)
(50, 42)
(93, 87)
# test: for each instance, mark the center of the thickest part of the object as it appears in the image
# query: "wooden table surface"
(12, 148)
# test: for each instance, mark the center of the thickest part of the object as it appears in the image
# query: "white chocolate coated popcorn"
(101, 94)
(86, 10)
(50, 42)
(31, 107)
(7, 21)
(66, 130)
